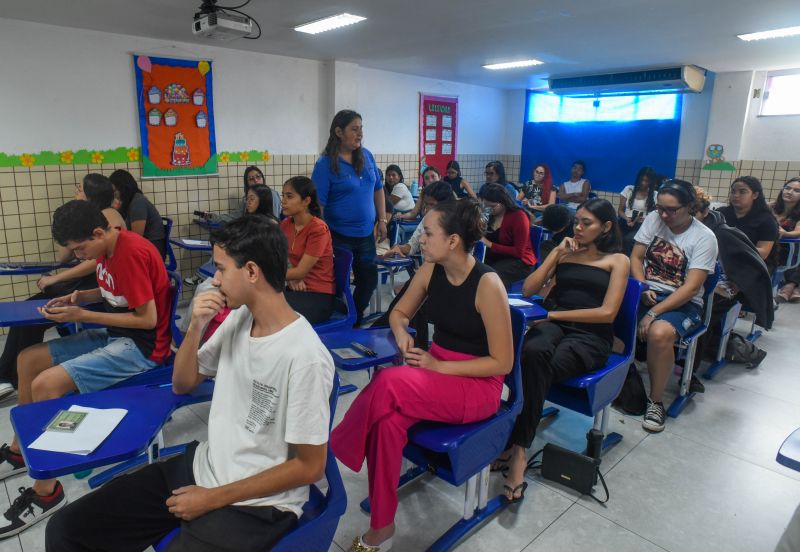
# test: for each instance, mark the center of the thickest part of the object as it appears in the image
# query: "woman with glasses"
(674, 254)
(748, 211)
(495, 173)
(508, 236)
(254, 177)
(787, 211)
(537, 193)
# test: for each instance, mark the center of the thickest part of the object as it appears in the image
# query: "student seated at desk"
(98, 190)
(397, 193)
(310, 278)
(508, 236)
(457, 182)
(674, 254)
(429, 176)
(537, 193)
(134, 286)
(787, 211)
(635, 202)
(245, 487)
(254, 177)
(590, 275)
(495, 173)
(139, 213)
(258, 201)
(459, 380)
(575, 190)
(748, 211)
(559, 220)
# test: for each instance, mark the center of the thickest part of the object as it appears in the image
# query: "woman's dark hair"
(76, 220)
(127, 187)
(681, 190)
(556, 218)
(256, 238)
(431, 168)
(395, 168)
(462, 217)
(264, 195)
(780, 206)
(759, 203)
(304, 187)
(602, 210)
(498, 194)
(98, 190)
(440, 191)
(247, 171)
(499, 169)
(652, 178)
(453, 164)
(331, 151)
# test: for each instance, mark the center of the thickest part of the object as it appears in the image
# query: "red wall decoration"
(438, 128)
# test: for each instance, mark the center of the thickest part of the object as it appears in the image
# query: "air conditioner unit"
(682, 79)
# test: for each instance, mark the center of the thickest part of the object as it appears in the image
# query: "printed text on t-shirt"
(263, 404)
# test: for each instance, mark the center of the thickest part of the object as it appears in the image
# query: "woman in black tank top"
(587, 279)
(459, 380)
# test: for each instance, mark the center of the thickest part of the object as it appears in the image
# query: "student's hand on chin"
(206, 305)
(190, 502)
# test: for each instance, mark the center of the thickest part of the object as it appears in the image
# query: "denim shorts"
(96, 361)
(684, 319)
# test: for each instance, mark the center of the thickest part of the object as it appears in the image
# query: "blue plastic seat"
(727, 323)
(591, 394)
(463, 453)
(171, 262)
(316, 527)
(342, 264)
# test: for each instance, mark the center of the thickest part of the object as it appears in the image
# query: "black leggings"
(552, 353)
(130, 513)
(21, 337)
(315, 307)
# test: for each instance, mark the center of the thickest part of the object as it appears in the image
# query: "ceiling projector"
(222, 26)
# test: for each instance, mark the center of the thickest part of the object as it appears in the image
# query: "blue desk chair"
(687, 346)
(463, 453)
(342, 264)
(727, 324)
(171, 262)
(316, 527)
(208, 269)
(591, 394)
(479, 251)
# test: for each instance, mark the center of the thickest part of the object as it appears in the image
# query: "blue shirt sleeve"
(372, 166)
(321, 178)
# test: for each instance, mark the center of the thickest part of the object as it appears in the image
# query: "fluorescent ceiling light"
(513, 64)
(777, 33)
(329, 23)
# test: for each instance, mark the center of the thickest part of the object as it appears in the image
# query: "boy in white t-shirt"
(576, 190)
(268, 427)
(674, 254)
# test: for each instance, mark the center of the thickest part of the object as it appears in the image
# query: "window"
(550, 108)
(781, 94)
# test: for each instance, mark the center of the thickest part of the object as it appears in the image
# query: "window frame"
(765, 93)
(677, 107)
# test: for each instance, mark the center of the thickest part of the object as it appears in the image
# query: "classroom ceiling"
(452, 39)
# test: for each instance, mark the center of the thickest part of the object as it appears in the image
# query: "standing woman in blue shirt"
(350, 191)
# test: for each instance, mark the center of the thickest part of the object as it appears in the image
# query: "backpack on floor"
(741, 350)
(633, 398)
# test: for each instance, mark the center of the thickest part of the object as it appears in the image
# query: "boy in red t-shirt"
(134, 286)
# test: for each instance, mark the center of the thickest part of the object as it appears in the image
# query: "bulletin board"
(176, 116)
(438, 129)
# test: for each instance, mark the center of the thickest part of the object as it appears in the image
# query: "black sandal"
(500, 464)
(514, 499)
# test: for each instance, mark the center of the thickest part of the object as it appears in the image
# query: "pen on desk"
(366, 350)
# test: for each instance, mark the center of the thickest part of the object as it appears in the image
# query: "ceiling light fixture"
(329, 23)
(513, 64)
(777, 33)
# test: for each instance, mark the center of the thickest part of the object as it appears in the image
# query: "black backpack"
(633, 398)
(741, 350)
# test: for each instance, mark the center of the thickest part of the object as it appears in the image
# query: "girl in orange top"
(311, 289)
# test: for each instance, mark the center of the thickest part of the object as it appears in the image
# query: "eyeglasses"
(669, 210)
(538, 172)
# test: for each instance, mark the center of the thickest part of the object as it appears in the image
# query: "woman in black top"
(140, 215)
(459, 184)
(459, 380)
(588, 275)
(748, 211)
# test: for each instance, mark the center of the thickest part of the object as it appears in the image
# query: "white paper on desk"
(197, 243)
(514, 302)
(346, 353)
(98, 424)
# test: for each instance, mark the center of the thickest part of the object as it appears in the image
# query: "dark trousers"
(510, 269)
(552, 353)
(130, 513)
(419, 321)
(21, 337)
(365, 271)
(315, 307)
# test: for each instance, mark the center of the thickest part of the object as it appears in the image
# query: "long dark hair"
(394, 169)
(452, 164)
(780, 205)
(652, 178)
(607, 242)
(98, 190)
(428, 169)
(127, 187)
(682, 191)
(341, 120)
(500, 170)
(498, 194)
(265, 206)
(759, 203)
(247, 171)
(304, 187)
(463, 218)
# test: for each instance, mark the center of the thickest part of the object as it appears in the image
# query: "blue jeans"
(365, 271)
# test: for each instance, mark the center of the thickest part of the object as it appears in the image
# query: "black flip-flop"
(521, 487)
(501, 464)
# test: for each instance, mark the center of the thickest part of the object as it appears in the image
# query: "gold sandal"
(360, 546)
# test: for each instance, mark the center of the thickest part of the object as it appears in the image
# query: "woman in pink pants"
(459, 380)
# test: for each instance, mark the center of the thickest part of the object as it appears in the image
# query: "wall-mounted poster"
(437, 148)
(176, 116)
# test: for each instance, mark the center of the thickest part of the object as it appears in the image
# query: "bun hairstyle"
(602, 210)
(681, 190)
(304, 187)
(464, 218)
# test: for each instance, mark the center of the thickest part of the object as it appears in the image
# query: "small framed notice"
(447, 135)
(447, 121)
(447, 149)
(431, 121)
(430, 148)
(430, 134)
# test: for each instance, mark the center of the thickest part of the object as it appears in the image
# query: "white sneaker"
(11, 463)
(29, 508)
(6, 389)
